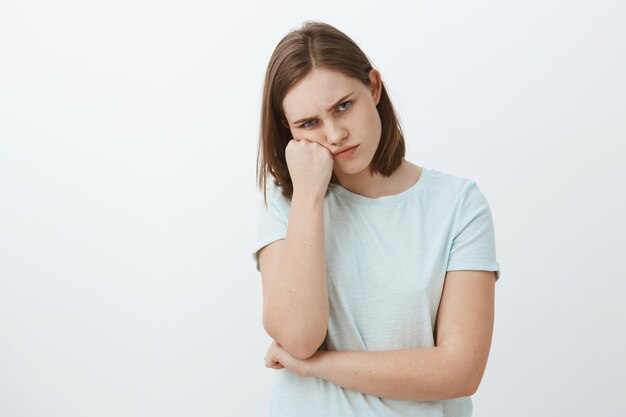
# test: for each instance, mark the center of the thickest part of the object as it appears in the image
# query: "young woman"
(378, 274)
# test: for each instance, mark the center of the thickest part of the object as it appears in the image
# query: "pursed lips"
(346, 149)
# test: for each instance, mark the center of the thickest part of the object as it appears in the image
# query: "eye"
(349, 103)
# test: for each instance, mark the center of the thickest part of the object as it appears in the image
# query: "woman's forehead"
(317, 91)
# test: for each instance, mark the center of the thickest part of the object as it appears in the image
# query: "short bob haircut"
(316, 45)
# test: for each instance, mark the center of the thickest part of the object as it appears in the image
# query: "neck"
(377, 185)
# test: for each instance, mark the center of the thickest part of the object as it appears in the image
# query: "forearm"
(410, 374)
(296, 304)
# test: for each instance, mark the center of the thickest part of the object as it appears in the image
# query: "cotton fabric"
(386, 260)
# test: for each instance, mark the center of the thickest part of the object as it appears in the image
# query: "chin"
(352, 169)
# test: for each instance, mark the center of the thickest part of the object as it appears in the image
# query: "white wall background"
(128, 138)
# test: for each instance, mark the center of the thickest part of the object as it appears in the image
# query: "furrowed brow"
(329, 109)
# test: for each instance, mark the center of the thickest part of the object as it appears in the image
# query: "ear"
(376, 84)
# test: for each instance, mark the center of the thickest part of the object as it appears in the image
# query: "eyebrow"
(338, 102)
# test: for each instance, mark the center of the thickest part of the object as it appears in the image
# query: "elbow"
(302, 351)
(470, 383)
(460, 388)
(469, 389)
(464, 376)
(298, 348)
(297, 345)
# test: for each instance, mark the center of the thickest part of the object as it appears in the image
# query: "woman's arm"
(452, 368)
(295, 289)
(409, 374)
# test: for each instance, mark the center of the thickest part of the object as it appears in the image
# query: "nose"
(335, 133)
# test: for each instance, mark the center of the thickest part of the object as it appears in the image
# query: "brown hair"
(316, 45)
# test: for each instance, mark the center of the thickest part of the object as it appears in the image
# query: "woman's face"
(337, 112)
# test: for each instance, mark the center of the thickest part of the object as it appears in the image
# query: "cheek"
(367, 121)
(375, 122)
(310, 136)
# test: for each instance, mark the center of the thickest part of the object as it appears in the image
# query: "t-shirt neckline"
(348, 195)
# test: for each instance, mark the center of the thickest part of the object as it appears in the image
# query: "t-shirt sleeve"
(473, 246)
(271, 222)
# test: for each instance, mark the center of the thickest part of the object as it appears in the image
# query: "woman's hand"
(310, 166)
(278, 358)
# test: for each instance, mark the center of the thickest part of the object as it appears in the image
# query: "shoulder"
(276, 198)
(443, 178)
(449, 187)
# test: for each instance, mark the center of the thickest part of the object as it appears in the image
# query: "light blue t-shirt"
(386, 260)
